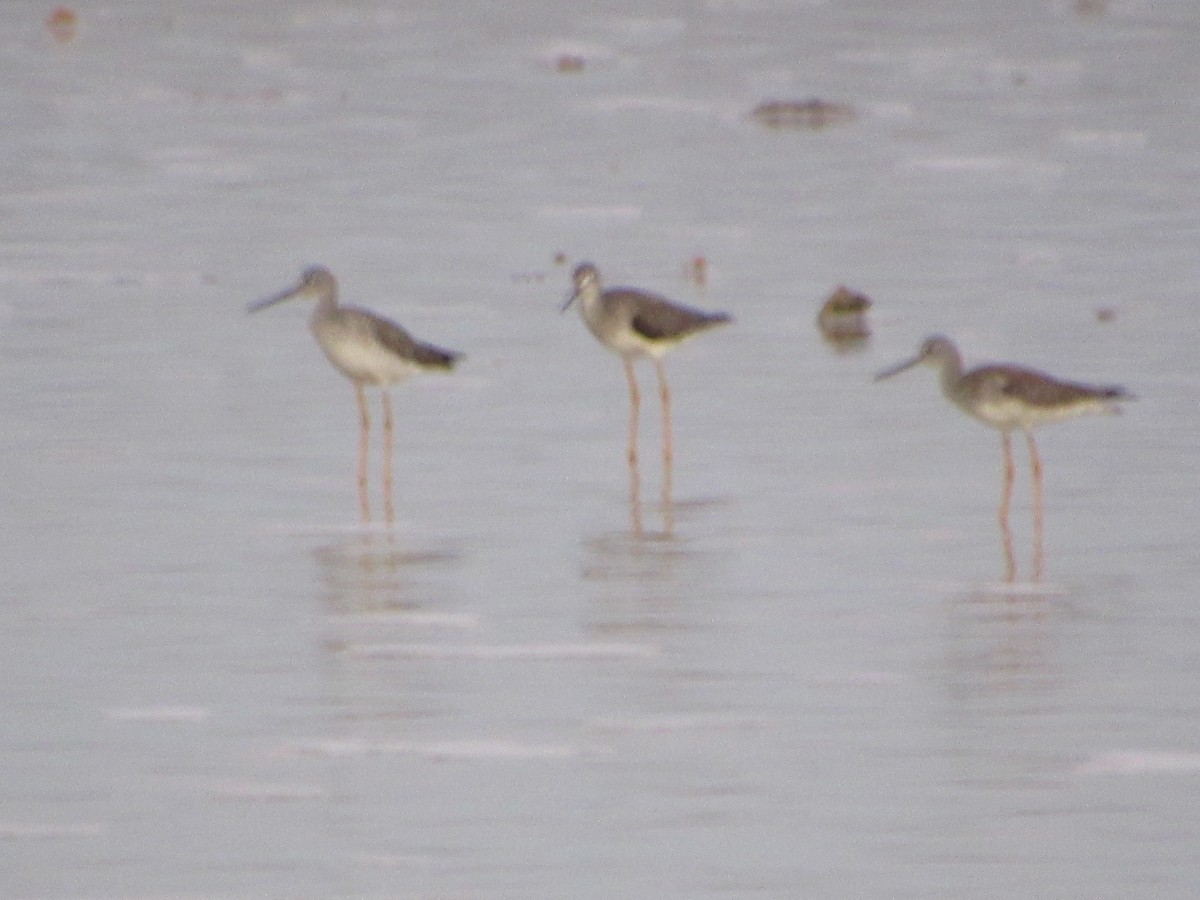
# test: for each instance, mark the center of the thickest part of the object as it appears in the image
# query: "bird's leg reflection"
(377, 572)
(635, 497)
(1010, 558)
(668, 502)
(668, 505)
(1000, 647)
(388, 438)
(364, 504)
(1035, 463)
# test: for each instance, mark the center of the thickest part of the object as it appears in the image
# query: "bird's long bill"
(274, 298)
(898, 368)
(570, 299)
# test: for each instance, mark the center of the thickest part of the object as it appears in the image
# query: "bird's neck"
(326, 304)
(950, 375)
(588, 299)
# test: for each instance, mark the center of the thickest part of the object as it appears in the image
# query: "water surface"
(217, 683)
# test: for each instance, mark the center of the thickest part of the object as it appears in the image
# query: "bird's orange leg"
(1035, 464)
(364, 504)
(1010, 559)
(388, 509)
(1009, 476)
(664, 392)
(634, 403)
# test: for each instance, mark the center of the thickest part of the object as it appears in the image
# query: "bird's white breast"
(1008, 413)
(612, 325)
(358, 355)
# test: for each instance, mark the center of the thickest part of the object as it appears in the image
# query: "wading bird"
(635, 325)
(369, 350)
(1009, 398)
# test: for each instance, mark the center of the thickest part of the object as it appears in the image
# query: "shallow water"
(218, 683)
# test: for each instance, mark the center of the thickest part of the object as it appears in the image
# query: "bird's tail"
(436, 357)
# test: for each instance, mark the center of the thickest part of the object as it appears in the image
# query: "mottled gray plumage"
(369, 350)
(1035, 388)
(1007, 396)
(396, 339)
(633, 322)
(637, 324)
(362, 345)
(657, 319)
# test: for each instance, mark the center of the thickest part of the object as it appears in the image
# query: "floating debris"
(843, 319)
(63, 24)
(1105, 314)
(568, 63)
(813, 114)
(1091, 8)
(696, 271)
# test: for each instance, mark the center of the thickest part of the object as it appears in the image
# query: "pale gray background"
(214, 684)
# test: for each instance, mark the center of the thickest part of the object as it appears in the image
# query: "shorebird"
(369, 350)
(1009, 398)
(843, 319)
(637, 324)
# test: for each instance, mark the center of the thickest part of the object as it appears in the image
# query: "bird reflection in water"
(637, 522)
(372, 572)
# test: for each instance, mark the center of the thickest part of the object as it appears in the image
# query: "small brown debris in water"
(569, 63)
(1091, 7)
(1105, 314)
(63, 24)
(697, 271)
(813, 114)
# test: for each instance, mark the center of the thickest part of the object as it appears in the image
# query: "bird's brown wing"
(396, 339)
(658, 319)
(1042, 390)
